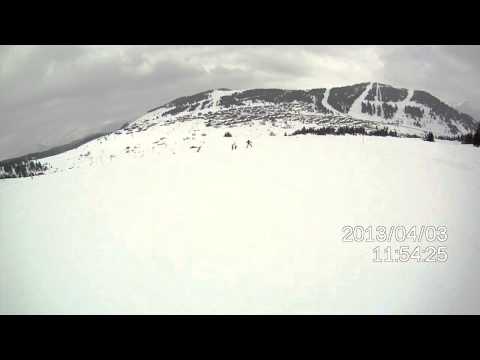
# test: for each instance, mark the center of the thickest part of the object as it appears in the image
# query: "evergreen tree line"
(471, 138)
(21, 169)
(387, 109)
(414, 112)
(343, 130)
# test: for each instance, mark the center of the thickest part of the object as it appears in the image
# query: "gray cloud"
(50, 95)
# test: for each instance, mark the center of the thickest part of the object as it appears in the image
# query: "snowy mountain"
(376, 102)
(191, 122)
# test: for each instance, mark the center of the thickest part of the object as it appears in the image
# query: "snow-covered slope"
(190, 122)
(255, 230)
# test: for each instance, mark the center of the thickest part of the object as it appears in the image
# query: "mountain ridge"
(262, 111)
(370, 101)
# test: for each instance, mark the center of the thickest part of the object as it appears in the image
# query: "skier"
(249, 143)
(234, 146)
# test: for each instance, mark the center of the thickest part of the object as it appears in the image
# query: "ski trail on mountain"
(379, 99)
(327, 105)
(356, 108)
(405, 102)
(215, 96)
(314, 101)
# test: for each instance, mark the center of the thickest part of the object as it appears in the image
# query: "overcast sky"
(50, 95)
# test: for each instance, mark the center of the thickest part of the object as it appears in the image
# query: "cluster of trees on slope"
(388, 110)
(342, 98)
(414, 112)
(360, 130)
(472, 138)
(21, 169)
(386, 92)
(343, 130)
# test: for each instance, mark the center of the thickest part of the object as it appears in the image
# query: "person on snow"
(249, 143)
(234, 146)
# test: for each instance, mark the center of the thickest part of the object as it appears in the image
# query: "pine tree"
(429, 137)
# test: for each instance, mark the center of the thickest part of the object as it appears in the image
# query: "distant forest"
(344, 130)
(18, 169)
(470, 138)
